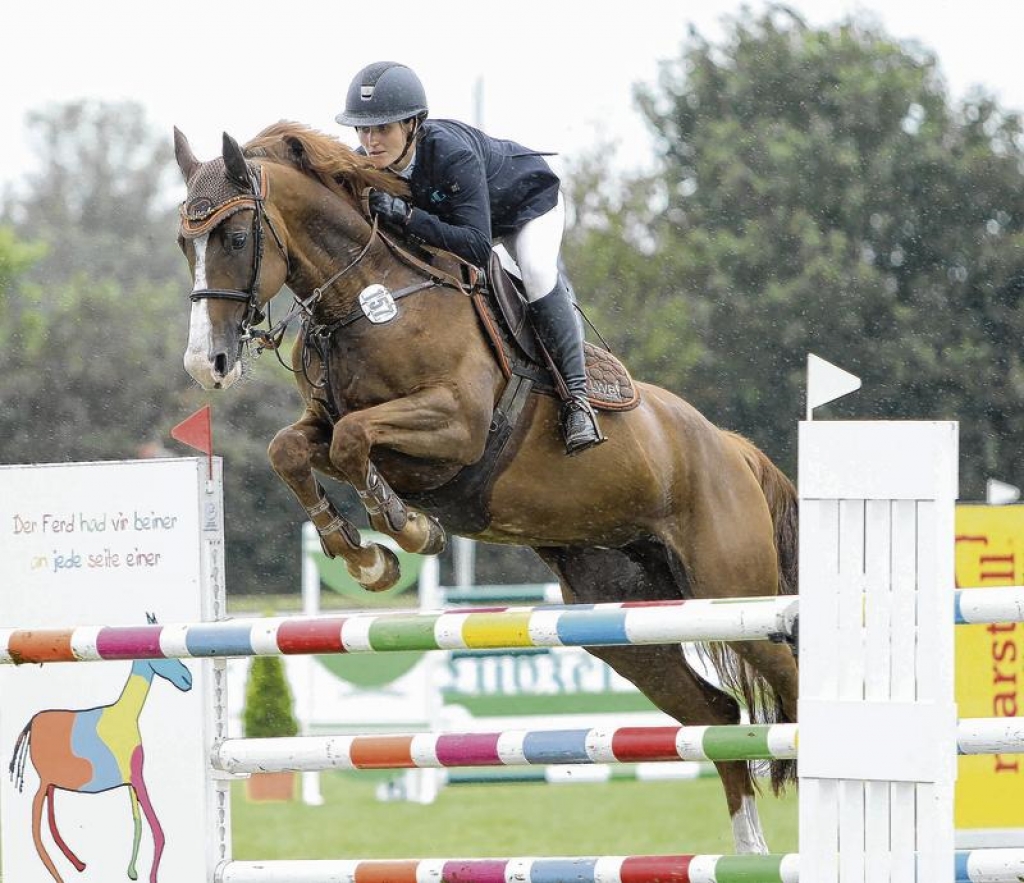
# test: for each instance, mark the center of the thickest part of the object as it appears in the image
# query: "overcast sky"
(555, 75)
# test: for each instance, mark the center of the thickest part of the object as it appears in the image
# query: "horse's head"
(173, 670)
(222, 233)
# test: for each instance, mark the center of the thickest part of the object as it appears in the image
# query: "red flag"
(196, 431)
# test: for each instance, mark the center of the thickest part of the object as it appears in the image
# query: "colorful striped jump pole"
(972, 866)
(510, 748)
(580, 746)
(577, 625)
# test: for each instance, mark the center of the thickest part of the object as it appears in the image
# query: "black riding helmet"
(381, 93)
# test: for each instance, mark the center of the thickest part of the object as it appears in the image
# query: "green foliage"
(100, 199)
(817, 191)
(268, 700)
(94, 307)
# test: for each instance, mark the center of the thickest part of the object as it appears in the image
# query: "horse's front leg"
(294, 452)
(133, 873)
(428, 424)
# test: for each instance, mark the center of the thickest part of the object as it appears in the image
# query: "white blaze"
(200, 331)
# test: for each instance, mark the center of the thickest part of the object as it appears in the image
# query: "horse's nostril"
(220, 364)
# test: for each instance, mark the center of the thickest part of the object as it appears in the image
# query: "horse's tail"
(763, 705)
(18, 757)
(783, 504)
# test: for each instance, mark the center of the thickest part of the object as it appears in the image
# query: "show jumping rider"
(468, 191)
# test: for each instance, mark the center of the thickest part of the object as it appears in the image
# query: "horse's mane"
(322, 157)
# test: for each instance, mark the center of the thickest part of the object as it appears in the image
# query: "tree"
(97, 311)
(268, 700)
(101, 198)
(817, 191)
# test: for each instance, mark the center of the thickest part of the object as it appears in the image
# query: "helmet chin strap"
(409, 140)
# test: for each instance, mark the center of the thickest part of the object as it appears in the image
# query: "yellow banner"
(990, 552)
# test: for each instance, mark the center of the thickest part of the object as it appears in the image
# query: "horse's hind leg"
(41, 797)
(294, 452)
(51, 816)
(660, 672)
(729, 562)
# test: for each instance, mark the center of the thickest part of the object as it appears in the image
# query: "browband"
(196, 225)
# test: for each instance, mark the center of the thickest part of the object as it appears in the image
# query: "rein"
(317, 336)
(271, 338)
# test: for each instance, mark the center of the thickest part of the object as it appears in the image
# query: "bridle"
(254, 200)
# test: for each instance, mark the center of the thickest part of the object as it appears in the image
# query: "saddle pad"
(609, 386)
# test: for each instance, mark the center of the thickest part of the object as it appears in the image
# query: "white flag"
(826, 382)
(999, 493)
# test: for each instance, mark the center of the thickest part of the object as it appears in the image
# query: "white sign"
(109, 543)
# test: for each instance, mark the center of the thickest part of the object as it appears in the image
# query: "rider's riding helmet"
(381, 93)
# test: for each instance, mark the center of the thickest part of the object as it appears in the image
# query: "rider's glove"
(392, 210)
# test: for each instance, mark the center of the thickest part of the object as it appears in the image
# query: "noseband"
(192, 226)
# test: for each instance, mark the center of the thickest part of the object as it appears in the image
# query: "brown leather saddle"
(502, 313)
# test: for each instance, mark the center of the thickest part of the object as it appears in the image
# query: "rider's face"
(384, 144)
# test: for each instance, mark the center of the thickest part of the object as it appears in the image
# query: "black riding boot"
(554, 320)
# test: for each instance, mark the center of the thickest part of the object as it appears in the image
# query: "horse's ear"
(234, 161)
(187, 161)
(297, 151)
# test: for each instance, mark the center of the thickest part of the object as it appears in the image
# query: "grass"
(615, 818)
(286, 604)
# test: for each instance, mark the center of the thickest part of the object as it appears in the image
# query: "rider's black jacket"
(469, 188)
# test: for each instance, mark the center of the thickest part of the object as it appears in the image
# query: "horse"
(402, 390)
(92, 750)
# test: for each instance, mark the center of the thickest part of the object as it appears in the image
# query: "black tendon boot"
(554, 320)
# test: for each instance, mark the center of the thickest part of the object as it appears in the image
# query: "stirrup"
(579, 425)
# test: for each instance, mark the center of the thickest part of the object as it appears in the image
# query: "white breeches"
(535, 247)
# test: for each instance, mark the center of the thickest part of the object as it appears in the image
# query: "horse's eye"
(237, 240)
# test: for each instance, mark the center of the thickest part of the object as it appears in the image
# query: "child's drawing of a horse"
(92, 750)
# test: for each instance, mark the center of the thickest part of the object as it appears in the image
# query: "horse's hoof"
(436, 540)
(382, 574)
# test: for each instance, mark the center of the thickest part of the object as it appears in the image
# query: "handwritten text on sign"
(86, 528)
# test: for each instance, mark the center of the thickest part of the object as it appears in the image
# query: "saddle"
(501, 309)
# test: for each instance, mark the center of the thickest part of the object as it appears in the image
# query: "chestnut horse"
(400, 385)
